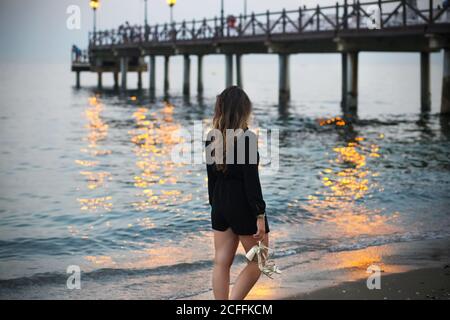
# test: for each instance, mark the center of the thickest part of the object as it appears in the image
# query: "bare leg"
(225, 245)
(250, 274)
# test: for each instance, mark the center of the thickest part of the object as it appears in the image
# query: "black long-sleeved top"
(237, 191)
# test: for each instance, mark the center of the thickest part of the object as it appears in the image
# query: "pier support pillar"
(284, 89)
(344, 70)
(166, 74)
(116, 80)
(152, 75)
(99, 80)
(425, 81)
(78, 81)
(228, 70)
(139, 84)
(351, 82)
(200, 74)
(123, 72)
(239, 70)
(445, 102)
(187, 75)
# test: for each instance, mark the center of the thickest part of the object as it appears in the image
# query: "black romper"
(235, 196)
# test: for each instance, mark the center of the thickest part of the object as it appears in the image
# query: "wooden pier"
(420, 26)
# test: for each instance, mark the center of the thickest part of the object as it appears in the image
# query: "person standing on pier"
(446, 6)
(235, 196)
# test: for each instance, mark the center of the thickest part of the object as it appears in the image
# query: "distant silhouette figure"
(231, 21)
(77, 53)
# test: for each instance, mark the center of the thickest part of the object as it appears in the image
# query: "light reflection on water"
(97, 132)
(350, 178)
(154, 137)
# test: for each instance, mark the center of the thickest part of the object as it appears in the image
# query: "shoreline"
(418, 284)
(319, 275)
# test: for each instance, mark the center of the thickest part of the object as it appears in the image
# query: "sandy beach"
(428, 284)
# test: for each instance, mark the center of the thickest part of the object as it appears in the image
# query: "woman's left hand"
(261, 229)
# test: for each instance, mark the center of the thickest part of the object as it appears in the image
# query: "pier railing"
(379, 14)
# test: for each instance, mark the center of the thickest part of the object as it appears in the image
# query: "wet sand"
(428, 284)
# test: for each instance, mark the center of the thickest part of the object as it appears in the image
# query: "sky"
(35, 31)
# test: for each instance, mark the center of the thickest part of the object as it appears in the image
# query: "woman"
(238, 208)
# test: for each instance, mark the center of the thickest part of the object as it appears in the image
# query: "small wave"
(363, 243)
(285, 249)
(51, 278)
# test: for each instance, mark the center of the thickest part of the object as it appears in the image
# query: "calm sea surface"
(86, 177)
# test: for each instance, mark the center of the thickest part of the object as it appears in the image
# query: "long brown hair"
(232, 111)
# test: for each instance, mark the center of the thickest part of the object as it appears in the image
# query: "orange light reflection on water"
(347, 180)
(154, 138)
(95, 180)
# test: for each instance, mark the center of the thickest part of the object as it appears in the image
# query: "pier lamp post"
(95, 4)
(145, 13)
(146, 27)
(171, 3)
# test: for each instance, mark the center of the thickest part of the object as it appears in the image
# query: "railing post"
(345, 21)
(146, 32)
(300, 18)
(358, 15)
(240, 25)
(283, 15)
(174, 32)
(404, 12)
(193, 30)
(268, 23)
(318, 18)
(253, 23)
(337, 16)
(381, 13)
(430, 12)
(204, 24)
(215, 27)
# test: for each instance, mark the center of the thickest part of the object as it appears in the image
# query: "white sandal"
(267, 266)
